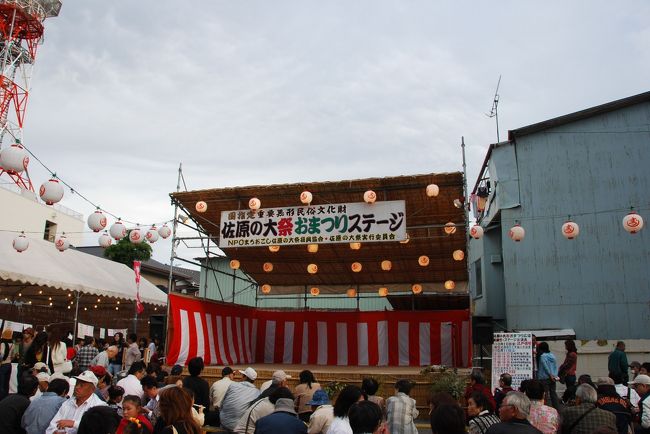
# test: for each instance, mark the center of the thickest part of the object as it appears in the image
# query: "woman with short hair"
(478, 409)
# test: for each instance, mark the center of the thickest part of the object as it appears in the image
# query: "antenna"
(494, 113)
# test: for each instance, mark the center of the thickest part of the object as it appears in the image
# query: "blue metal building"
(591, 167)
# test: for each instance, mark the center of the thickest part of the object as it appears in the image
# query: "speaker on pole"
(482, 330)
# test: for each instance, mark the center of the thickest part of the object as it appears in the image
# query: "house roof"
(425, 218)
(582, 114)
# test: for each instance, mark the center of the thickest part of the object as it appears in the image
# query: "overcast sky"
(260, 92)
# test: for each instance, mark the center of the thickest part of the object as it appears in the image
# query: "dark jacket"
(515, 426)
(200, 388)
(12, 409)
(280, 422)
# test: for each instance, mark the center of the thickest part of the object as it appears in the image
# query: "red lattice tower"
(21, 32)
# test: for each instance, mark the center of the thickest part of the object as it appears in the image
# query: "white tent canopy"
(43, 265)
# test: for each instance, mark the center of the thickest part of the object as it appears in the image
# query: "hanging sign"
(512, 353)
(333, 223)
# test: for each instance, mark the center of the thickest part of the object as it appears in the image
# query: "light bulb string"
(75, 191)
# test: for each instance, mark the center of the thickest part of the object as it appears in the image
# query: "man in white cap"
(237, 398)
(278, 379)
(43, 384)
(641, 384)
(66, 420)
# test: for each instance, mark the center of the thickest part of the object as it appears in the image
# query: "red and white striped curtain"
(234, 335)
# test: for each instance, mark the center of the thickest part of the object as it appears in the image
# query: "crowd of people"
(120, 387)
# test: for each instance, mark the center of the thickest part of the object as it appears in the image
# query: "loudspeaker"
(482, 330)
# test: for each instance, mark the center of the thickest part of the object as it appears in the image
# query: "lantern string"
(75, 191)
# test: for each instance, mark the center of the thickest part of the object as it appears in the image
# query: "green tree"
(126, 252)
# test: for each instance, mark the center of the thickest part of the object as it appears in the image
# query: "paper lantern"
(312, 268)
(274, 249)
(369, 196)
(267, 267)
(314, 291)
(476, 232)
(450, 284)
(306, 197)
(234, 264)
(21, 243)
(458, 255)
(105, 240)
(136, 236)
(383, 291)
(406, 240)
(386, 265)
(423, 260)
(633, 222)
(355, 246)
(351, 292)
(266, 288)
(14, 159)
(312, 248)
(164, 231)
(450, 228)
(570, 230)
(51, 191)
(117, 230)
(152, 234)
(97, 221)
(61, 242)
(201, 206)
(356, 267)
(254, 204)
(517, 233)
(416, 288)
(432, 190)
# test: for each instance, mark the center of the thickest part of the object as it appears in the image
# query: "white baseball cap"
(88, 377)
(42, 376)
(249, 372)
(641, 379)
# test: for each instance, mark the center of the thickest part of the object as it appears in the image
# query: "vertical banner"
(512, 353)
(226, 334)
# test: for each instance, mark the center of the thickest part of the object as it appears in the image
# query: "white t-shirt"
(131, 386)
(340, 425)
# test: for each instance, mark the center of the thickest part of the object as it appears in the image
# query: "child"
(132, 414)
(115, 394)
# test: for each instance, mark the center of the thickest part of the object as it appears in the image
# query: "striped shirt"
(481, 423)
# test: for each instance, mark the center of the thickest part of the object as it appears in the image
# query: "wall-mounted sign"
(512, 353)
(333, 223)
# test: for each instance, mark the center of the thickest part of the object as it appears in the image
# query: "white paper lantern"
(267, 267)
(570, 230)
(633, 222)
(97, 221)
(312, 248)
(266, 288)
(369, 196)
(14, 159)
(152, 234)
(432, 190)
(351, 292)
(383, 292)
(450, 284)
(314, 291)
(21, 243)
(312, 268)
(105, 240)
(416, 288)
(306, 197)
(136, 236)
(274, 249)
(356, 267)
(164, 231)
(201, 206)
(517, 233)
(386, 265)
(61, 242)
(234, 264)
(450, 228)
(254, 204)
(423, 261)
(476, 232)
(355, 246)
(117, 230)
(51, 191)
(458, 255)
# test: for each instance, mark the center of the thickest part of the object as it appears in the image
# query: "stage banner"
(334, 223)
(225, 334)
(512, 353)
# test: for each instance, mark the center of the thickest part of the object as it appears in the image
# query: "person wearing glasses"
(513, 413)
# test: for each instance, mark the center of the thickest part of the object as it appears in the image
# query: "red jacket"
(485, 390)
(146, 425)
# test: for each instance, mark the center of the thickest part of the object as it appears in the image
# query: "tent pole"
(172, 256)
(76, 318)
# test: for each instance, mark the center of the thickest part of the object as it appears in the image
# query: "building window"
(50, 231)
(478, 279)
